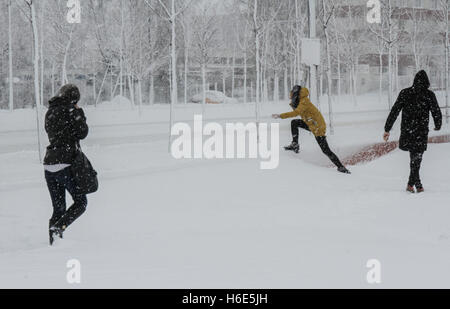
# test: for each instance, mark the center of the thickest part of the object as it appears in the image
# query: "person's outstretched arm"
(294, 113)
(436, 113)
(396, 109)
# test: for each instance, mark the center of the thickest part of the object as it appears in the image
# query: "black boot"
(344, 170)
(55, 231)
(294, 146)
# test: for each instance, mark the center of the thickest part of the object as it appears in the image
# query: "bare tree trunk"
(276, 87)
(112, 84)
(140, 95)
(152, 90)
(397, 82)
(286, 86)
(390, 54)
(131, 90)
(224, 82)
(329, 81)
(380, 93)
(338, 59)
(351, 83)
(174, 96)
(390, 75)
(355, 84)
(121, 48)
(186, 65)
(298, 38)
(312, 34)
(414, 38)
(42, 52)
(245, 73)
(97, 97)
(233, 80)
(64, 79)
(94, 86)
(10, 58)
(204, 88)
(139, 78)
(266, 90)
(258, 62)
(447, 46)
(53, 78)
(36, 75)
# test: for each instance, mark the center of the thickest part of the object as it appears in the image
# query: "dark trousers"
(416, 161)
(57, 184)
(321, 140)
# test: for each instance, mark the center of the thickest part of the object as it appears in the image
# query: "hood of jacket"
(67, 95)
(421, 81)
(304, 93)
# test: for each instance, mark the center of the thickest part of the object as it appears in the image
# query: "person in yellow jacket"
(311, 120)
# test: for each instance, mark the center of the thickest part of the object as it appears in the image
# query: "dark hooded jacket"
(415, 103)
(65, 125)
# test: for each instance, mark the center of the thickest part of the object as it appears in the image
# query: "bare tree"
(442, 16)
(327, 12)
(171, 16)
(10, 58)
(204, 31)
(36, 52)
(389, 32)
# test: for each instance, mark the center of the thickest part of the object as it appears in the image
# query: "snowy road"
(115, 134)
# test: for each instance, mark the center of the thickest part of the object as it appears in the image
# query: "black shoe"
(344, 170)
(295, 147)
(55, 231)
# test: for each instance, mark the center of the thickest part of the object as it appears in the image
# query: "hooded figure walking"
(415, 103)
(65, 124)
(312, 120)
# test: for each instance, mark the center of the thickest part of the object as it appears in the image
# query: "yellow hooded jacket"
(309, 113)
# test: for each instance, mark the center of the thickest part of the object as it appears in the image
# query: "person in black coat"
(415, 103)
(65, 124)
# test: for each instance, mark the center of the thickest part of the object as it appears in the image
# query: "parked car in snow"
(213, 97)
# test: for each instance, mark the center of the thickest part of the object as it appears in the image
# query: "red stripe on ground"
(373, 152)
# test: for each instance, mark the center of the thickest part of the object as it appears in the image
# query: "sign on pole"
(311, 52)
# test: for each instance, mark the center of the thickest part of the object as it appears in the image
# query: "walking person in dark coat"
(65, 124)
(415, 103)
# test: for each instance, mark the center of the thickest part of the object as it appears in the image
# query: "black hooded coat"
(65, 125)
(415, 103)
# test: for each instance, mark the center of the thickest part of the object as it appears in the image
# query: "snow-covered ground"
(158, 222)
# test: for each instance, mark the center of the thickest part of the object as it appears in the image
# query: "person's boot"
(55, 231)
(420, 189)
(410, 189)
(343, 170)
(294, 146)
